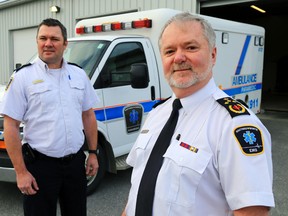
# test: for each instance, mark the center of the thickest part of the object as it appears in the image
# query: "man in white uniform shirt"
(54, 100)
(218, 161)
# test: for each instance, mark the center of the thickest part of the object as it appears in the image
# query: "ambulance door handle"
(152, 93)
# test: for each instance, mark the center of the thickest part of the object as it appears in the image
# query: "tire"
(94, 181)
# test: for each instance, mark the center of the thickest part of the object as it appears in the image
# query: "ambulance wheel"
(94, 181)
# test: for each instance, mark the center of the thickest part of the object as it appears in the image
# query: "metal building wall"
(29, 14)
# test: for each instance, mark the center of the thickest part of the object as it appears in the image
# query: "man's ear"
(214, 54)
(65, 43)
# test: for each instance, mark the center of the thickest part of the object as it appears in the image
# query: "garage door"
(25, 47)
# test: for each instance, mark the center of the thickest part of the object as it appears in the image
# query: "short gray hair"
(208, 31)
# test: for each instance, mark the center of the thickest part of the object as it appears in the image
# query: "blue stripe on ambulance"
(243, 55)
(117, 112)
(243, 89)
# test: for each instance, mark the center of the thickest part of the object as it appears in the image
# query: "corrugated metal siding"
(32, 13)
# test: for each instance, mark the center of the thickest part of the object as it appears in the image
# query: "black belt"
(66, 158)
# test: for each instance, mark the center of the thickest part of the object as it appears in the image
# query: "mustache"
(182, 66)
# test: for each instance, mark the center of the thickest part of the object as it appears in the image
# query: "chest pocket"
(77, 92)
(142, 153)
(44, 96)
(139, 154)
(187, 168)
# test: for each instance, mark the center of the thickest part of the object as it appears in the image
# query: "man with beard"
(218, 159)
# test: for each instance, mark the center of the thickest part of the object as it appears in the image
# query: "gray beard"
(194, 79)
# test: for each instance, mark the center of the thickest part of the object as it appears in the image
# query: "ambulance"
(121, 57)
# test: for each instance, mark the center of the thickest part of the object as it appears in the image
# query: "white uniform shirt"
(205, 171)
(50, 103)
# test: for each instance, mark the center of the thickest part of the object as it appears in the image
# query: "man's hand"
(92, 165)
(27, 183)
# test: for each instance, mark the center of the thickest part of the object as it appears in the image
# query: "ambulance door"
(125, 108)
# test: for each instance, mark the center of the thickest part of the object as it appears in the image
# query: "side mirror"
(139, 75)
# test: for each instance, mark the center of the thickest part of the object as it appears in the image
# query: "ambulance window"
(116, 71)
(225, 37)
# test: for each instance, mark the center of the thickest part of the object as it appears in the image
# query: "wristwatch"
(96, 152)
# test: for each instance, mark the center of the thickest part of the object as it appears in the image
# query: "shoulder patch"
(25, 65)
(249, 139)
(160, 102)
(234, 107)
(71, 63)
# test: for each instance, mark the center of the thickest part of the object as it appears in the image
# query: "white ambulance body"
(107, 47)
(240, 49)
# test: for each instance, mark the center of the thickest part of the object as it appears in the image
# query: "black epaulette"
(234, 107)
(19, 68)
(160, 102)
(71, 63)
(242, 102)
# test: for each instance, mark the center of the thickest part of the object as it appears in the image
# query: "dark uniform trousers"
(62, 180)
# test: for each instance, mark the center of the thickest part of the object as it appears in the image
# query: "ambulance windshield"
(86, 54)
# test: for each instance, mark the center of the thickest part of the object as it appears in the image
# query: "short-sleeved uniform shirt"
(219, 158)
(50, 103)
